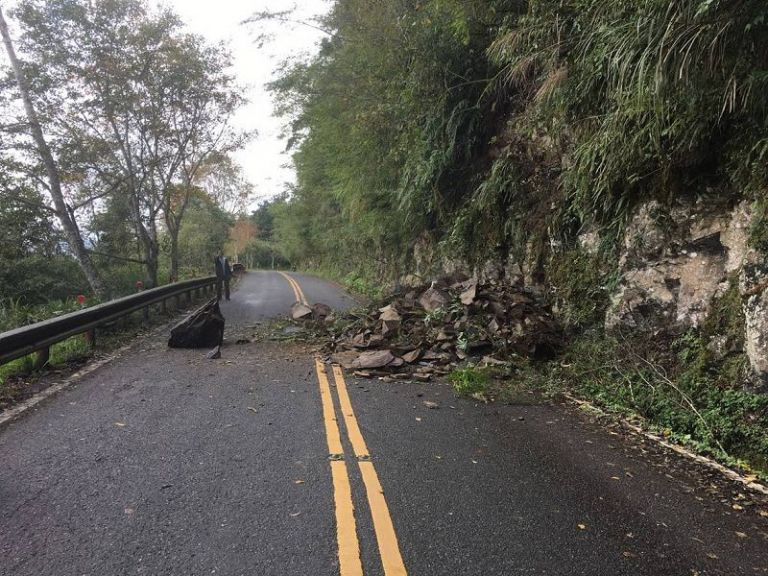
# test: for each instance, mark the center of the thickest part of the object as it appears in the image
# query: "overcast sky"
(219, 20)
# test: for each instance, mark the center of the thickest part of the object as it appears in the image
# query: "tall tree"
(140, 103)
(63, 211)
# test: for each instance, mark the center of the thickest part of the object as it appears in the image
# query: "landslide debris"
(428, 330)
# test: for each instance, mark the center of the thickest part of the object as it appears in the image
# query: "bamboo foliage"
(487, 125)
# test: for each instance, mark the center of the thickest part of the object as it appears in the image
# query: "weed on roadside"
(16, 376)
(677, 387)
(470, 381)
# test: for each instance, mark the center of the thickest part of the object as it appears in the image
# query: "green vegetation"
(502, 127)
(681, 388)
(470, 381)
(72, 350)
(483, 130)
(581, 284)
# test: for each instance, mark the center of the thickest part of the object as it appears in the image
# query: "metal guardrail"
(38, 337)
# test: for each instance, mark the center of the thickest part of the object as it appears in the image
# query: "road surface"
(268, 462)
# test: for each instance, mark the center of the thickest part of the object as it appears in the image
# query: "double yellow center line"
(297, 291)
(350, 563)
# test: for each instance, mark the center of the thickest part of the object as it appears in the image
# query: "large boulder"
(673, 263)
(676, 262)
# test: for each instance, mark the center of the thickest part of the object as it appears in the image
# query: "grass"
(471, 381)
(677, 387)
(502, 384)
(13, 313)
(16, 376)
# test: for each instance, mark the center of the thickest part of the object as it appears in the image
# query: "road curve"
(267, 294)
(267, 462)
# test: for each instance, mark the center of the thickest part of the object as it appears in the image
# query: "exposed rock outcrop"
(676, 262)
(673, 263)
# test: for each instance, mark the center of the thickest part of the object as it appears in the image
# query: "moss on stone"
(581, 283)
(758, 229)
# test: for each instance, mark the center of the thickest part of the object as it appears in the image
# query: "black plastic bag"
(204, 328)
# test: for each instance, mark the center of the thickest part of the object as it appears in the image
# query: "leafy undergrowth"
(677, 387)
(13, 313)
(497, 384)
(18, 378)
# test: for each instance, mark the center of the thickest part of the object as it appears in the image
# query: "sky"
(264, 162)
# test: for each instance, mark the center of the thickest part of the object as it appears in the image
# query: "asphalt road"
(165, 463)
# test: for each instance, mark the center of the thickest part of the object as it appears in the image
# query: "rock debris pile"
(427, 331)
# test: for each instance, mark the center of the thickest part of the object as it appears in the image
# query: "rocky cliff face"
(674, 263)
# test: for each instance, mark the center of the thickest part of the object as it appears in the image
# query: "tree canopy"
(136, 114)
(484, 127)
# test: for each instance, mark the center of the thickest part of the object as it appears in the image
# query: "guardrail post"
(163, 306)
(145, 312)
(41, 357)
(90, 337)
(188, 294)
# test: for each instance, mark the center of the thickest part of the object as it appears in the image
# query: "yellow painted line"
(389, 549)
(302, 297)
(301, 292)
(297, 291)
(329, 415)
(353, 430)
(346, 529)
(292, 285)
(386, 537)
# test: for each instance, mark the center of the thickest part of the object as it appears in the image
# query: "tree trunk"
(174, 235)
(67, 221)
(151, 267)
